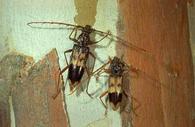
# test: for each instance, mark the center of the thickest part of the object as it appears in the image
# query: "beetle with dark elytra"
(80, 53)
(116, 71)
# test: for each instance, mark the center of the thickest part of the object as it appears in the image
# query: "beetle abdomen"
(115, 98)
(75, 73)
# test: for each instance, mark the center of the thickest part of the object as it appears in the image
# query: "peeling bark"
(31, 87)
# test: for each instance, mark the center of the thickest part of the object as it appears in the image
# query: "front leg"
(74, 38)
(101, 72)
(102, 95)
(95, 42)
(101, 68)
(58, 88)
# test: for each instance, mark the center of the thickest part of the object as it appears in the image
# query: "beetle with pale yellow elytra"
(116, 71)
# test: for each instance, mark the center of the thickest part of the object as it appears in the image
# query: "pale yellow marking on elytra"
(111, 89)
(115, 80)
(115, 107)
(114, 84)
(114, 89)
(79, 58)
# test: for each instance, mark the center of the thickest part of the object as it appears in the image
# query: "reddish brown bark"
(31, 87)
(161, 28)
(32, 98)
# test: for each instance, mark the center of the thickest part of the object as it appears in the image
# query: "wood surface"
(31, 86)
(164, 87)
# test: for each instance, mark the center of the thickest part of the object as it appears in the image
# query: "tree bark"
(31, 87)
(164, 87)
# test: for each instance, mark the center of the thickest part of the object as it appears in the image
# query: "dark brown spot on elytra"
(115, 98)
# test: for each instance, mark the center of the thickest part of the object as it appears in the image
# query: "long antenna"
(118, 39)
(124, 42)
(55, 23)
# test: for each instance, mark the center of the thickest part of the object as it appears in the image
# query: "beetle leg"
(95, 42)
(102, 95)
(75, 34)
(89, 76)
(90, 73)
(67, 51)
(60, 74)
(101, 72)
(58, 82)
(106, 111)
(90, 53)
(101, 68)
(73, 39)
(75, 88)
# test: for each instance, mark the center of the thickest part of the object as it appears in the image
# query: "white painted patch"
(82, 110)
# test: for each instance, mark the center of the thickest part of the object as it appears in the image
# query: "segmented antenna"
(117, 39)
(54, 23)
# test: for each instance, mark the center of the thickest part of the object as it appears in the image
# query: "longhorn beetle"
(115, 92)
(80, 53)
(116, 70)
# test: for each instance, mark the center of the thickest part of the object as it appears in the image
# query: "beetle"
(79, 55)
(116, 71)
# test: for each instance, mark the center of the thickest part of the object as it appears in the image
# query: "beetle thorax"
(84, 39)
(117, 67)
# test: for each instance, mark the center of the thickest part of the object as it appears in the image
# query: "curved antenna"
(123, 42)
(118, 39)
(54, 23)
